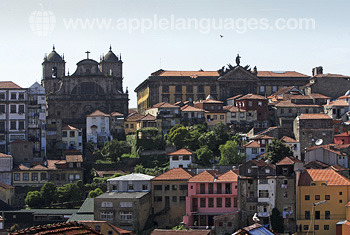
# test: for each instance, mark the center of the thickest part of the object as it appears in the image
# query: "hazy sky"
(248, 27)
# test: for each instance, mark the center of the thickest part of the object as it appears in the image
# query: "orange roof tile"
(280, 74)
(312, 116)
(227, 176)
(252, 97)
(232, 108)
(319, 96)
(344, 134)
(288, 139)
(192, 74)
(116, 114)
(214, 176)
(262, 137)
(6, 186)
(209, 101)
(175, 174)
(148, 117)
(9, 85)
(288, 103)
(252, 144)
(316, 165)
(134, 117)
(234, 97)
(74, 158)
(181, 152)
(288, 161)
(331, 75)
(180, 232)
(188, 108)
(164, 105)
(338, 103)
(5, 155)
(332, 177)
(98, 113)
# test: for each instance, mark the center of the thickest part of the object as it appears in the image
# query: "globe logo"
(42, 22)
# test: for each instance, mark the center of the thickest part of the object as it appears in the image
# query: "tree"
(33, 199)
(221, 135)
(277, 221)
(114, 149)
(48, 193)
(204, 154)
(195, 132)
(208, 139)
(229, 153)
(95, 193)
(179, 137)
(277, 150)
(69, 193)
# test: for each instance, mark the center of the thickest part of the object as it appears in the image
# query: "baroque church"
(93, 86)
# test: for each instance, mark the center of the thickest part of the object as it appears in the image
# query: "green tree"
(69, 193)
(277, 150)
(114, 149)
(173, 129)
(48, 193)
(221, 134)
(277, 221)
(179, 137)
(95, 193)
(229, 153)
(204, 154)
(33, 199)
(195, 132)
(208, 139)
(237, 138)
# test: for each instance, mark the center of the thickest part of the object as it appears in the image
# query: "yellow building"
(6, 193)
(322, 195)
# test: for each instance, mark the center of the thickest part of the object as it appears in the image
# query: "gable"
(238, 74)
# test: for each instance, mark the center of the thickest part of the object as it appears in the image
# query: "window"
(17, 177)
(218, 188)
(327, 215)
(174, 198)
(316, 227)
(219, 202)
(326, 227)
(210, 202)
(189, 89)
(71, 134)
(145, 187)
(202, 202)
(71, 177)
(186, 158)
(317, 197)
(13, 96)
(252, 208)
(259, 103)
(267, 170)
(221, 224)
(285, 195)
(213, 89)
(307, 197)
(106, 204)
(182, 198)
(2, 108)
(222, 117)
(167, 187)
(274, 88)
(227, 202)
(282, 110)
(25, 176)
(262, 89)
(21, 108)
(340, 193)
(21, 125)
(327, 197)
(235, 202)
(125, 215)
(2, 96)
(12, 108)
(126, 126)
(166, 89)
(77, 176)
(34, 176)
(202, 188)
(178, 89)
(158, 199)
(200, 89)
(254, 150)
(263, 193)
(175, 158)
(106, 215)
(306, 227)
(241, 115)
(340, 201)
(158, 187)
(233, 115)
(174, 187)
(249, 171)
(210, 188)
(317, 215)
(183, 187)
(229, 224)
(307, 214)
(215, 117)
(125, 204)
(250, 103)
(98, 228)
(130, 187)
(43, 176)
(263, 181)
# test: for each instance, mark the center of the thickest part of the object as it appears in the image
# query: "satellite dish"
(319, 142)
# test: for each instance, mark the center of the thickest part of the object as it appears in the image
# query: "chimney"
(317, 70)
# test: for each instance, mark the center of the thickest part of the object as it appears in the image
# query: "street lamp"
(313, 213)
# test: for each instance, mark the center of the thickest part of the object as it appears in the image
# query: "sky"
(275, 35)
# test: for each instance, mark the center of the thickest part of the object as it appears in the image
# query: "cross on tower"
(87, 54)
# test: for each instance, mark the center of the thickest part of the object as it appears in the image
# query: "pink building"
(210, 194)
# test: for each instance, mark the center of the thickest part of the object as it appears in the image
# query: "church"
(93, 86)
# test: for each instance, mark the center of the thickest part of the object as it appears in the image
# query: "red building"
(258, 103)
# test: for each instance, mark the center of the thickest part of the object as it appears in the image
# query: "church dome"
(54, 57)
(110, 56)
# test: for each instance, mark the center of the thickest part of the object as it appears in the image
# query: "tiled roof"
(148, 117)
(74, 158)
(252, 97)
(68, 127)
(344, 97)
(262, 137)
(252, 144)
(331, 75)
(288, 161)
(232, 108)
(192, 74)
(98, 113)
(70, 228)
(188, 108)
(5, 155)
(328, 147)
(175, 174)
(288, 103)
(180, 232)
(288, 139)
(337, 168)
(164, 105)
(113, 227)
(116, 114)
(313, 116)
(6, 186)
(254, 229)
(181, 152)
(234, 97)
(134, 117)
(319, 96)
(9, 85)
(338, 103)
(344, 134)
(210, 101)
(262, 163)
(214, 176)
(332, 177)
(316, 165)
(282, 91)
(281, 74)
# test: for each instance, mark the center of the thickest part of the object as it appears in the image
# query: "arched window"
(54, 72)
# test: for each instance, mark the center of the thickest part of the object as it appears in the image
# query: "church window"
(189, 89)
(54, 72)
(200, 89)
(166, 89)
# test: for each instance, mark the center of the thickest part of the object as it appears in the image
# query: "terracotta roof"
(188, 108)
(288, 103)
(281, 74)
(9, 85)
(6, 186)
(261, 163)
(316, 165)
(254, 229)
(180, 232)
(267, 130)
(338, 103)
(288, 139)
(331, 75)
(148, 117)
(319, 96)
(74, 158)
(214, 176)
(288, 161)
(5, 155)
(344, 134)
(327, 147)
(262, 137)
(252, 97)
(69, 228)
(175, 174)
(332, 177)
(282, 91)
(98, 113)
(116, 114)
(181, 152)
(192, 74)
(252, 144)
(337, 168)
(312, 116)
(234, 97)
(210, 101)
(68, 127)
(344, 97)
(164, 105)
(232, 108)
(134, 117)
(115, 228)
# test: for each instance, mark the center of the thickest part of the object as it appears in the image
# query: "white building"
(181, 158)
(257, 146)
(98, 128)
(267, 192)
(72, 138)
(293, 144)
(134, 182)
(13, 114)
